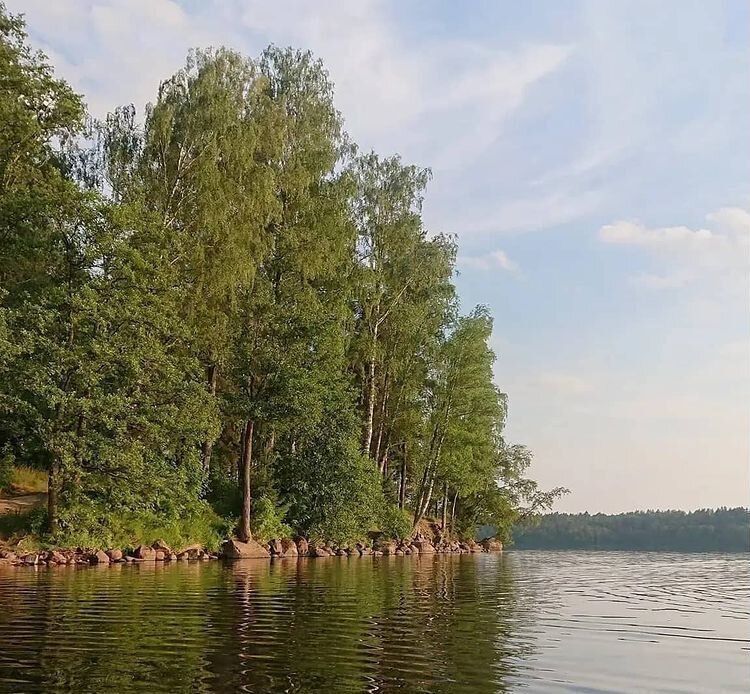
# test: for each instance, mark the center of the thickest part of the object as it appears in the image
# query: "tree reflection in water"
(434, 623)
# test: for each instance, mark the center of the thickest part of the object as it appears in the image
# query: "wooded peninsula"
(218, 317)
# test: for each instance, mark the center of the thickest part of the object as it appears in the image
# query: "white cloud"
(734, 220)
(396, 94)
(494, 260)
(721, 251)
(665, 238)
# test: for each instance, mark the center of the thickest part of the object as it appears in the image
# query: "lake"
(529, 621)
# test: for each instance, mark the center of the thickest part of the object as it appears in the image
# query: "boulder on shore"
(492, 545)
(115, 554)
(99, 557)
(303, 547)
(144, 553)
(424, 546)
(387, 548)
(162, 546)
(235, 549)
(319, 552)
(289, 548)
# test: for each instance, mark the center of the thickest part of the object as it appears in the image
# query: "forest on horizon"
(704, 530)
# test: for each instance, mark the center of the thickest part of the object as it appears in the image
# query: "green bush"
(395, 522)
(94, 526)
(268, 520)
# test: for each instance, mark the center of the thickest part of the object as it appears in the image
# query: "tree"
(224, 302)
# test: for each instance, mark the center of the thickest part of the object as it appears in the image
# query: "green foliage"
(395, 522)
(333, 491)
(268, 520)
(97, 526)
(6, 471)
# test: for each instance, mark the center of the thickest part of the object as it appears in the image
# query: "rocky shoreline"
(234, 549)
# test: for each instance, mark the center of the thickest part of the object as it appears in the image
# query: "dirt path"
(21, 504)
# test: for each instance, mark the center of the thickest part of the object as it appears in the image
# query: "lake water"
(522, 621)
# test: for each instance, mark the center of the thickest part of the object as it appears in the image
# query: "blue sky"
(593, 159)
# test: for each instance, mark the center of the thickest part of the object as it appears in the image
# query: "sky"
(593, 159)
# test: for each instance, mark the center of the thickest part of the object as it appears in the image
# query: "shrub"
(268, 520)
(395, 522)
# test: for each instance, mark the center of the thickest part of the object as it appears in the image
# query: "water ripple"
(538, 621)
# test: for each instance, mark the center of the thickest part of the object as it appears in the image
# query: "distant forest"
(706, 530)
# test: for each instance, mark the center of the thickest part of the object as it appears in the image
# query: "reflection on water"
(542, 621)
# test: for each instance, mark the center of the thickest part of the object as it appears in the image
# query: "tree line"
(705, 530)
(219, 304)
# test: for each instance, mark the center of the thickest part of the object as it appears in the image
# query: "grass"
(125, 531)
(27, 480)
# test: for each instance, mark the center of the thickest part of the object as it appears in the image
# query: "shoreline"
(232, 549)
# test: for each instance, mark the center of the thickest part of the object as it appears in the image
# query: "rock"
(342, 552)
(275, 548)
(7, 557)
(55, 557)
(144, 553)
(492, 545)
(190, 549)
(159, 555)
(160, 545)
(129, 560)
(319, 552)
(424, 546)
(171, 557)
(99, 557)
(234, 549)
(30, 559)
(387, 548)
(399, 552)
(290, 549)
(303, 548)
(115, 554)
(377, 553)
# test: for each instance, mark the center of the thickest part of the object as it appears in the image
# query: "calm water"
(531, 621)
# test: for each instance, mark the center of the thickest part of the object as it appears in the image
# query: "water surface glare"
(529, 621)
